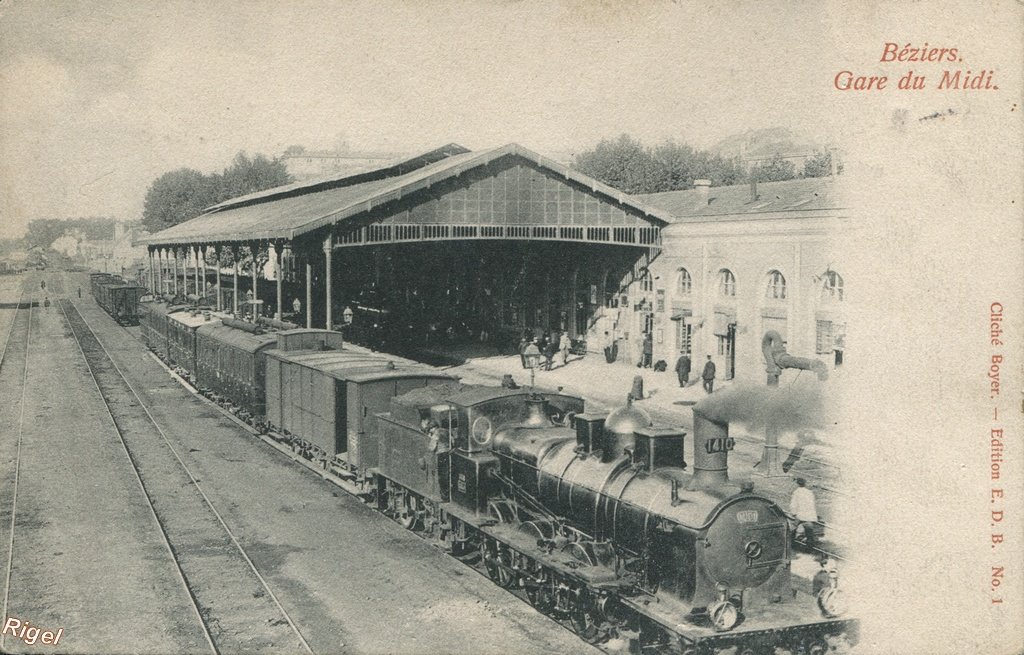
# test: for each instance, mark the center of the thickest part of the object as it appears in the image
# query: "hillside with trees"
(628, 165)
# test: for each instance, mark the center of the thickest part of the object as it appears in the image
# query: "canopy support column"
(199, 291)
(175, 271)
(159, 272)
(202, 250)
(216, 257)
(278, 272)
(328, 247)
(309, 294)
(254, 249)
(234, 296)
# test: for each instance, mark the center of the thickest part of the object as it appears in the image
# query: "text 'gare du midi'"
(488, 245)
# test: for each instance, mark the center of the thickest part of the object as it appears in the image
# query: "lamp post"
(531, 355)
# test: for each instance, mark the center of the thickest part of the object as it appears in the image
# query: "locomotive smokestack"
(711, 446)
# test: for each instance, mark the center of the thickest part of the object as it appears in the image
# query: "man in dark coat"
(709, 375)
(549, 350)
(648, 351)
(683, 369)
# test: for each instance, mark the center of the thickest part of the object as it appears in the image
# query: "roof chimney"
(702, 187)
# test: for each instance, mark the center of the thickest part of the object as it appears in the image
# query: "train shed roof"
(285, 213)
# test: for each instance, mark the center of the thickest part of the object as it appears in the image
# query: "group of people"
(684, 364)
(707, 376)
(549, 344)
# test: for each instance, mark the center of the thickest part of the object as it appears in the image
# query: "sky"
(97, 99)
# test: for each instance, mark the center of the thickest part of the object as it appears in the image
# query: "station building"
(484, 246)
(736, 262)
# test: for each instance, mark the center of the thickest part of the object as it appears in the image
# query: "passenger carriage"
(181, 338)
(231, 362)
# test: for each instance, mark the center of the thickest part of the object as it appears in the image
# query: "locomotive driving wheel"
(810, 645)
(583, 620)
(755, 646)
(540, 589)
(817, 646)
(497, 560)
(410, 511)
(456, 537)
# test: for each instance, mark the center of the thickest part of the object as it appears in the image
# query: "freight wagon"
(324, 399)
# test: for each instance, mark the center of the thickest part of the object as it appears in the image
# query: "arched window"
(832, 286)
(726, 283)
(776, 288)
(684, 283)
(646, 281)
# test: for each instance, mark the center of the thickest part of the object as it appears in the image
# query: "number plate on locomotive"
(747, 516)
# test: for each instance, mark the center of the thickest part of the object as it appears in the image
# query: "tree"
(626, 164)
(251, 174)
(623, 163)
(178, 196)
(186, 193)
(820, 165)
(674, 166)
(776, 169)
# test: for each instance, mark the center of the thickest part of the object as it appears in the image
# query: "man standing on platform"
(564, 343)
(709, 375)
(804, 509)
(646, 351)
(683, 369)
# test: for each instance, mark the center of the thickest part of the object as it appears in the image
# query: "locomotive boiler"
(713, 543)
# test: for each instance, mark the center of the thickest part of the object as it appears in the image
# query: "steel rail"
(17, 457)
(182, 577)
(192, 478)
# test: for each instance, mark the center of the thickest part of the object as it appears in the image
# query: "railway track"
(19, 369)
(234, 604)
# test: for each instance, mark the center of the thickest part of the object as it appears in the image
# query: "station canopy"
(449, 193)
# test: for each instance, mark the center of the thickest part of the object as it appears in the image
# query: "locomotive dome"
(628, 419)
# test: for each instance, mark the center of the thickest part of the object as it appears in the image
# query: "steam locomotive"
(593, 517)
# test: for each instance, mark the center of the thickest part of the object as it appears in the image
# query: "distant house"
(117, 254)
(313, 164)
